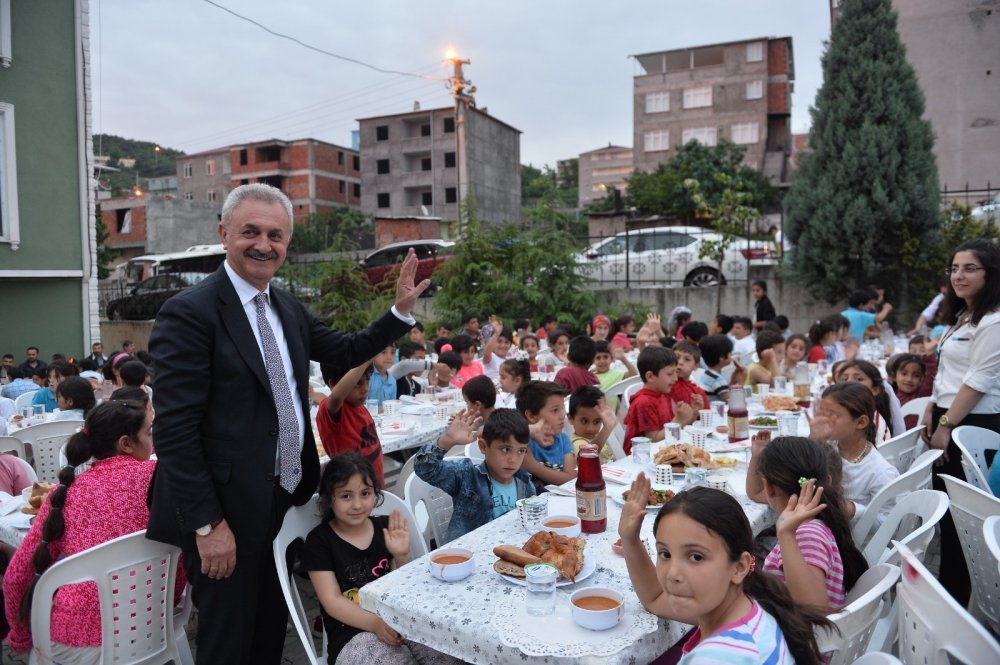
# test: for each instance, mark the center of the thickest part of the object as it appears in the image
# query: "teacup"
(451, 564)
(564, 525)
(597, 608)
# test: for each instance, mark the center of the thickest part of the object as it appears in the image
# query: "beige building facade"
(602, 171)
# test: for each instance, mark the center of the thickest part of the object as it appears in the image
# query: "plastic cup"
(532, 511)
(717, 482)
(372, 406)
(640, 450)
(671, 433)
(540, 589)
(664, 475)
(705, 418)
(780, 385)
(788, 425)
(698, 436)
(390, 407)
(762, 390)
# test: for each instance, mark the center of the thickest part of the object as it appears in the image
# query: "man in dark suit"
(233, 436)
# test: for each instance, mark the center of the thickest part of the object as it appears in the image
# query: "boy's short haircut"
(918, 339)
(332, 374)
(439, 343)
(689, 348)
(480, 389)
(504, 424)
(87, 365)
(767, 339)
(407, 349)
(522, 324)
(62, 368)
(468, 316)
(40, 372)
(724, 322)
(533, 395)
(451, 359)
(446, 325)
(714, 348)
(782, 322)
(419, 326)
(653, 359)
(584, 396)
(773, 326)
(462, 342)
(133, 373)
(14, 373)
(860, 297)
(582, 350)
(743, 321)
(602, 347)
(668, 342)
(695, 330)
(507, 335)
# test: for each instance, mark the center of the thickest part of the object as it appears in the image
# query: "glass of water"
(540, 594)
(372, 406)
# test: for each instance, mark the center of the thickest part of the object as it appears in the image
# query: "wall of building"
(112, 209)
(388, 231)
(176, 224)
(953, 46)
(200, 182)
(493, 158)
(46, 313)
(606, 166)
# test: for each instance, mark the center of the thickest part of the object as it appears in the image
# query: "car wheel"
(704, 277)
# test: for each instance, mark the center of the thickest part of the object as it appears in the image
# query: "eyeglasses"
(968, 270)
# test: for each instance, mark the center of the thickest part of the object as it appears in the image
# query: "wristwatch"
(944, 422)
(207, 529)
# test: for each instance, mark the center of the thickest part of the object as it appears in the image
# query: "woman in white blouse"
(967, 385)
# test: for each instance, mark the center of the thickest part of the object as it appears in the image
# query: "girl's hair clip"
(803, 480)
(521, 354)
(84, 431)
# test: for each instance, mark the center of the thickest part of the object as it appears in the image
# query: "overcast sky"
(190, 76)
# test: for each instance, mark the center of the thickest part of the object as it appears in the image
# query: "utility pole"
(462, 91)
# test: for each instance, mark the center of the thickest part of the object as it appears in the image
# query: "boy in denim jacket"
(481, 492)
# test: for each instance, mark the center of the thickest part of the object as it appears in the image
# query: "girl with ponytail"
(81, 512)
(706, 574)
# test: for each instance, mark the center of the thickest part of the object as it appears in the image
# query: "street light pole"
(463, 99)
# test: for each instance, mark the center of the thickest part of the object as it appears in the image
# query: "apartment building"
(410, 164)
(740, 91)
(603, 170)
(204, 177)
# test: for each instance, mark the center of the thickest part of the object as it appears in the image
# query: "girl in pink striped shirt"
(816, 555)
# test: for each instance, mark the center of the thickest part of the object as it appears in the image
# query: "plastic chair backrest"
(915, 407)
(391, 502)
(47, 450)
(29, 435)
(616, 440)
(28, 469)
(899, 451)
(435, 503)
(878, 658)
(399, 485)
(918, 477)
(135, 580)
(12, 444)
(473, 452)
(973, 442)
(617, 389)
(932, 625)
(627, 397)
(856, 622)
(991, 534)
(298, 522)
(924, 506)
(23, 400)
(970, 506)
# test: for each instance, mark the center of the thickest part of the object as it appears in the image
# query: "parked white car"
(989, 209)
(669, 255)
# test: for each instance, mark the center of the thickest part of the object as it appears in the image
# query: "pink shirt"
(466, 372)
(13, 475)
(819, 549)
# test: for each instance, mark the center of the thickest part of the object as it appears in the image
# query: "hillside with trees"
(149, 162)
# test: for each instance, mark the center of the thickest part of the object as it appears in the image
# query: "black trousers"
(954, 574)
(242, 619)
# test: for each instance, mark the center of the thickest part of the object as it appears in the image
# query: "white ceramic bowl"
(597, 619)
(452, 572)
(568, 531)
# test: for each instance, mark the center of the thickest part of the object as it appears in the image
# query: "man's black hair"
(14, 373)
(548, 318)
(468, 316)
(601, 346)
(714, 348)
(695, 330)
(581, 352)
(744, 321)
(504, 424)
(584, 396)
(782, 321)
(419, 326)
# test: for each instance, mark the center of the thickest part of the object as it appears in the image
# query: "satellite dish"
(423, 211)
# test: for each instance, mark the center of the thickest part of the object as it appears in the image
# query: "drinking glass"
(640, 451)
(672, 432)
(788, 425)
(762, 390)
(372, 406)
(540, 589)
(532, 511)
(780, 382)
(39, 412)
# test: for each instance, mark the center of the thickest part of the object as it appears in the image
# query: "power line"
(316, 48)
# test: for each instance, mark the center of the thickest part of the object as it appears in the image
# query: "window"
(755, 89)
(449, 160)
(210, 195)
(383, 200)
(656, 140)
(704, 135)
(614, 170)
(427, 198)
(357, 191)
(695, 98)
(755, 52)
(243, 157)
(188, 170)
(449, 125)
(425, 164)
(382, 133)
(340, 187)
(746, 132)
(450, 195)
(210, 167)
(10, 229)
(657, 102)
(340, 157)
(123, 220)
(356, 162)
(382, 166)
(189, 196)
(425, 130)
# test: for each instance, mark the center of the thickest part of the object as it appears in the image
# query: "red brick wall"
(138, 230)
(296, 186)
(778, 99)
(397, 230)
(777, 57)
(296, 156)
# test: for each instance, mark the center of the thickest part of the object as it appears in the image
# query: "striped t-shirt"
(819, 549)
(755, 639)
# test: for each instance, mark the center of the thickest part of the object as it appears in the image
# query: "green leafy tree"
(863, 206)
(105, 255)
(348, 301)
(663, 192)
(319, 231)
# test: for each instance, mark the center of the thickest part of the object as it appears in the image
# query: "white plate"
(395, 427)
(771, 427)
(589, 566)
(19, 520)
(620, 500)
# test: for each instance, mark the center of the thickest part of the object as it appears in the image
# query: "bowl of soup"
(451, 564)
(597, 608)
(564, 525)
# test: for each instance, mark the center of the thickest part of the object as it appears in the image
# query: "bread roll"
(515, 555)
(508, 568)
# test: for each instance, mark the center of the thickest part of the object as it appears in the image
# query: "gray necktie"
(288, 426)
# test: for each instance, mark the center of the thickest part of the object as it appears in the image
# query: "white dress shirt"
(970, 355)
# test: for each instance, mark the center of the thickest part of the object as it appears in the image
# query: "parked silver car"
(668, 256)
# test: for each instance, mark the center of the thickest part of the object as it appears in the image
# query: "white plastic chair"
(135, 580)
(878, 658)
(932, 625)
(391, 502)
(911, 521)
(12, 444)
(991, 534)
(900, 451)
(28, 469)
(405, 471)
(23, 400)
(48, 459)
(473, 452)
(627, 397)
(616, 389)
(974, 442)
(970, 506)
(918, 477)
(298, 522)
(915, 407)
(616, 441)
(856, 622)
(29, 435)
(437, 505)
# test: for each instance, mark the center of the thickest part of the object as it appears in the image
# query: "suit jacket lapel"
(234, 318)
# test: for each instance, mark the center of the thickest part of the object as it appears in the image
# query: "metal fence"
(968, 196)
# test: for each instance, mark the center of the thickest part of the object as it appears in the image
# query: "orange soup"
(560, 524)
(596, 603)
(449, 559)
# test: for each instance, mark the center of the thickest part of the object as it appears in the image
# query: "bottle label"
(739, 428)
(591, 506)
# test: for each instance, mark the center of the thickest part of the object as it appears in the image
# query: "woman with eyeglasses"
(81, 512)
(967, 385)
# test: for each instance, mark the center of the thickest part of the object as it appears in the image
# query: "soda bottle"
(591, 496)
(739, 421)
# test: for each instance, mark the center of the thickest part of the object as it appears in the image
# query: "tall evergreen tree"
(863, 206)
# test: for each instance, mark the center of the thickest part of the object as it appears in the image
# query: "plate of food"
(764, 421)
(657, 497)
(566, 554)
(780, 403)
(683, 455)
(33, 499)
